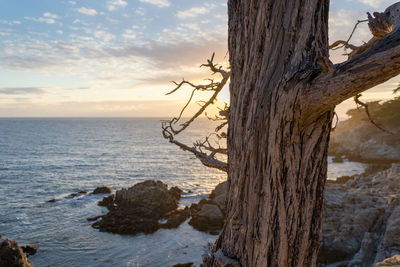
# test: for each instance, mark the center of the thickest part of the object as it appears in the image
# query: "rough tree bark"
(283, 93)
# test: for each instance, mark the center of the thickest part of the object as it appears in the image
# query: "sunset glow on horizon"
(117, 58)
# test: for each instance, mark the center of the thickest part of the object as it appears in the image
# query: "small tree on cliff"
(283, 91)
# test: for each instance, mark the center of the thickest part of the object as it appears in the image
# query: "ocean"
(42, 159)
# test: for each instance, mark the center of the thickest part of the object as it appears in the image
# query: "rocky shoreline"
(358, 139)
(13, 255)
(149, 206)
(361, 225)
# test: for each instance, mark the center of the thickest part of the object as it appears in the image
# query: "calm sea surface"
(42, 159)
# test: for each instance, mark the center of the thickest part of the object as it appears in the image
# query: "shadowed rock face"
(362, 219)
(102, 190)
(140, 207)
(11, 255)
(208, 215)
(392, 261)
(359, 139)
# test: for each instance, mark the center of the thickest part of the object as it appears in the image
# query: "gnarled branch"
(203, 150)
(365, 105)
(362, 72)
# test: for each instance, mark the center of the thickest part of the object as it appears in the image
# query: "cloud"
(87, 11)
(195, 11)
(158, 3)
(10, 23)
(22, 91)
(377, 3)
(47, 18)
(168, 55)
(50, 15)
(113, 5)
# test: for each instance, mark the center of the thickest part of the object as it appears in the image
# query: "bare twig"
(203, 150)
(207, 160)
(215, 87)
(359, 102)
(346, 44)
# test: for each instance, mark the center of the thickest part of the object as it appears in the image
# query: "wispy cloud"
(113, 5)
(195, 11)
(50, 15)
(47, 17)
(87, 11)
(159, 3)
(22, 91)
(377, 3)
(10, 23)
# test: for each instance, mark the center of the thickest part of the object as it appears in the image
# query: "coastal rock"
(11, 255)
(392, 261)
(360, 140)
(218, 195)
(210, 218)
(102, 190)
(188, 264)
(141, 208)
(29, 249)
(362, 219)
(208, 215)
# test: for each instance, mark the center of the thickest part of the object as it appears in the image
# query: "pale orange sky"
(116, 58)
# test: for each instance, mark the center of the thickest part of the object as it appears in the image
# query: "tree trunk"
(283, 93)
(277, 159)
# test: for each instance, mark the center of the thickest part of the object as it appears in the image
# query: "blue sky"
(117, 57)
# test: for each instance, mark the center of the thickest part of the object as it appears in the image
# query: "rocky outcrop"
(364, 144)
(11, 255)
(102, 190)
(187, 264)
(208, 215)
(144, 207)
(362, 219)
(360, 140)
(29, 249)
(392, 261)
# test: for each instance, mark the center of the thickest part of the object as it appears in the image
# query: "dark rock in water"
(341, 180)
(29, 249)
(140, 207)
(107, 201)
(175, 218)
(11, 255)
(102, 190)
(208, 215)
(176, 192)
(337, 159)
(188, 264)
(209, 218)
(220, 189)
(82, 192)
(94, 218)
(52, 200)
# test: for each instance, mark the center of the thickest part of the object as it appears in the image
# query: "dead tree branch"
(212, 86)
(365, 106)
(203, 150)
(364, 70)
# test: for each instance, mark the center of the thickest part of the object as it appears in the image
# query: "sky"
(117, 58)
